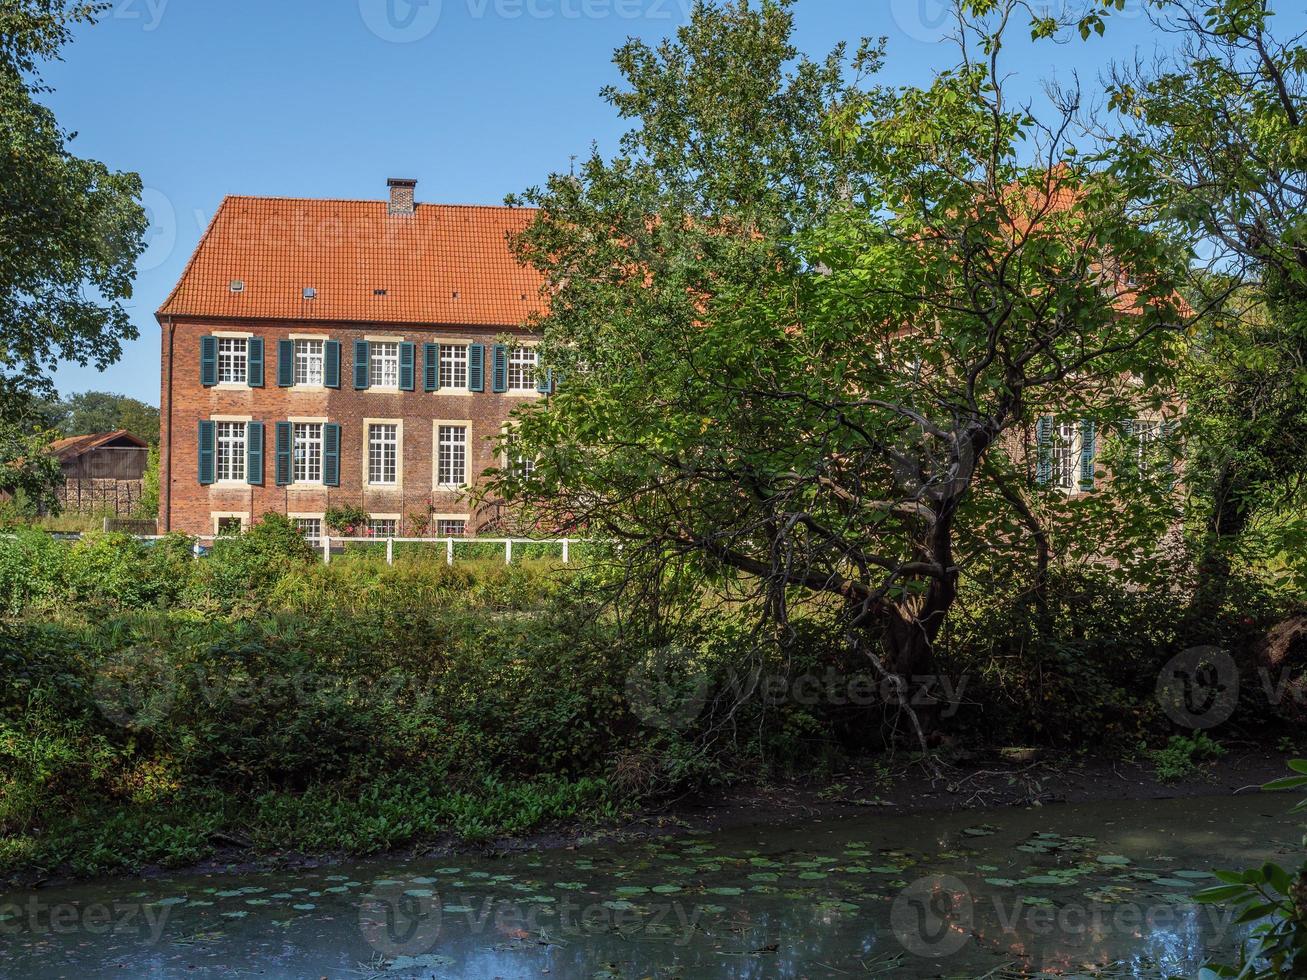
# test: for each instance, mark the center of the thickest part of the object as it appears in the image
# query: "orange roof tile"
(442, 264)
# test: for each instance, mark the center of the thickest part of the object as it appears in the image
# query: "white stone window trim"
(399, 454)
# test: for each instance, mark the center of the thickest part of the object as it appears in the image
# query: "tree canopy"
(70, 228)
(802, 323)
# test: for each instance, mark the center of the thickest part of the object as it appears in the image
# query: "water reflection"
(1061, 890)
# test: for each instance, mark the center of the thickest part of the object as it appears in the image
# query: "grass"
(385, 815)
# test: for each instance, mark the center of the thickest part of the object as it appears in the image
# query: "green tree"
(100, 411)
(1215, 143)
(802, 323)
(70, 228)
(29, 476)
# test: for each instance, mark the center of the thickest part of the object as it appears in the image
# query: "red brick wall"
(188, 506)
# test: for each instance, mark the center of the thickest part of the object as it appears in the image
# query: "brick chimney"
(401, 195)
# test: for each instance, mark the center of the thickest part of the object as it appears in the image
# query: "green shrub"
(243, 569)
(1180, 757)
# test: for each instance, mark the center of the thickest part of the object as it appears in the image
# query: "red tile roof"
(442, 264)
(75, 446)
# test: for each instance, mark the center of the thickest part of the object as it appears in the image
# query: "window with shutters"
(233, 360)
(310, 359)
(383, 364)
(383, 527)
(1066, 456)
(310, 527)
(451, 528)
(306, 451)
(451, 455)
(383, 454)
(230, 452)
(453, 365)
(1147, 434)
(522, 369)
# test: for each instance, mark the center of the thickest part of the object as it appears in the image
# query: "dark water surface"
(1088, 890)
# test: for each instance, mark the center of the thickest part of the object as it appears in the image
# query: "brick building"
(322, 353)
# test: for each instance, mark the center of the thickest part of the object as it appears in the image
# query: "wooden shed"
(103, 472)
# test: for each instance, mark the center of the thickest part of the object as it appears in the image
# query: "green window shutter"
(544, 380)
(331, 364)
(500, 368)
(476, 367)
(254, 454)
(331, 454)
(208, 361)
(1128, 428)
(407, 352)
(284, 471)
(1088, 450)
(254, 362)
(1044, 451)
(207, 451)
(362, 366)
(285, 363)
(431, 367)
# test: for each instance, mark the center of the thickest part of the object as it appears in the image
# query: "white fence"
(327, 541)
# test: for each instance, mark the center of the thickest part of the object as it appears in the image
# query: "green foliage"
(149, 505)
(1182, 754)
(1274, 901)
(102, 411)
(72, 228)
(29, 475)
(349, 520)
(245, 568)
(733, 290)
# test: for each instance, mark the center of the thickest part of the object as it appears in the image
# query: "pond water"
(1095, 889)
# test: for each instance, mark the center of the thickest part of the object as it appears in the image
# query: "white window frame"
(438, 519)
(218, 516)
(436, 447)
(1065, 455)
(233, 360)
(523, 361)
(308, 435)
(314, 540)
(374, 519)
(383, 364)
(310, 362)
(511, 460)
(225, 452)
(374, 452)
(1147, 433)
(453, 356)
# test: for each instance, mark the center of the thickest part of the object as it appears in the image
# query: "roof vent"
(378, 292)
(237, 285)
(310, 292)
(455, 294)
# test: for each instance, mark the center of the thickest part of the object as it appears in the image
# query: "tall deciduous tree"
(802, 324)
(70, 228)
(1215, 139)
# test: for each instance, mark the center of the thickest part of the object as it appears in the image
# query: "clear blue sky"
(328, 98)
